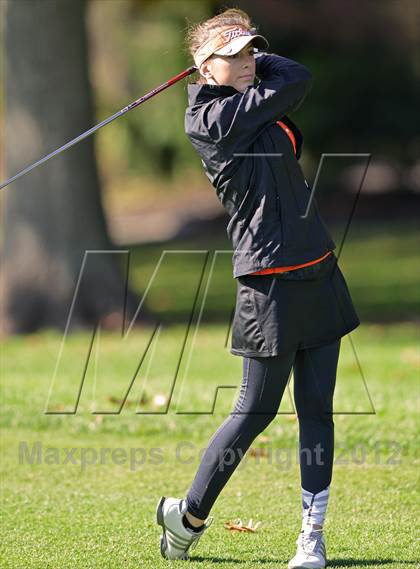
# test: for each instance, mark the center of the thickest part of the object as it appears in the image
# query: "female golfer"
(292, 304)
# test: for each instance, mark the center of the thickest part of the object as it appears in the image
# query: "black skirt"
(303, 308)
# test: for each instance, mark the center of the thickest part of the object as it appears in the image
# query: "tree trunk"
(53, 214)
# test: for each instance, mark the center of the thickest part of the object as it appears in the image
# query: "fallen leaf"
(127, 402)
(258, 451)
(238, 525)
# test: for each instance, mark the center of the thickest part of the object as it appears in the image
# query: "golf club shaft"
(84, 135)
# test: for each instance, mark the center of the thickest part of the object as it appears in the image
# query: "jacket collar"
(202, 93)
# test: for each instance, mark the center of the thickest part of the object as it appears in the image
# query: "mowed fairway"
(79, 490)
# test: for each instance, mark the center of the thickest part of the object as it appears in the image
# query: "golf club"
(84, 135)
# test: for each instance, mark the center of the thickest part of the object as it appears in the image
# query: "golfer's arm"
(290, 80)
(234, 122)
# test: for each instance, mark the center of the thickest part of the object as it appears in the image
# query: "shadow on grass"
(331, 562)
(199, 559)
(365, 562)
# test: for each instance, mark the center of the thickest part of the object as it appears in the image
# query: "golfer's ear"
(205, 70)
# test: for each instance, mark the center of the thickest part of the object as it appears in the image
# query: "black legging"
(263, 384)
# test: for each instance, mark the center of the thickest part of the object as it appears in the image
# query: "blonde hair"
(197, 34)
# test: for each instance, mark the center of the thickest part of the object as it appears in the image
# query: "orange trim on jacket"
(289, 133)
(291, 268)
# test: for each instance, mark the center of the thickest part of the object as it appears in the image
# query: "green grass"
(103, 515)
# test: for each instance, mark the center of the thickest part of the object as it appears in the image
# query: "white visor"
(240, 42)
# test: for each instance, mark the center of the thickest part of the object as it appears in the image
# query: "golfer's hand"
(260, 62)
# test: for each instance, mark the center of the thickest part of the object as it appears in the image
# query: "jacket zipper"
(278, 204)
(317, 214)
(278, 209)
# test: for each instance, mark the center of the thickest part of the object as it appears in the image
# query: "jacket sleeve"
(233, 122)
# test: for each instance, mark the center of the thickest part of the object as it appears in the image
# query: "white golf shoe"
(176, 539)
(311, 551)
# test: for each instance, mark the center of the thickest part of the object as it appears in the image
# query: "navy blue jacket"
(251, 163)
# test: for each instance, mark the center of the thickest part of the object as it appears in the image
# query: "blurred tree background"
(364, 98)
(364, 59)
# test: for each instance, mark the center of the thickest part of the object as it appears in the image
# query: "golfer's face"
(236, 70)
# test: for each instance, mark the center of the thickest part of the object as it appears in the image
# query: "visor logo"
(229, 35)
